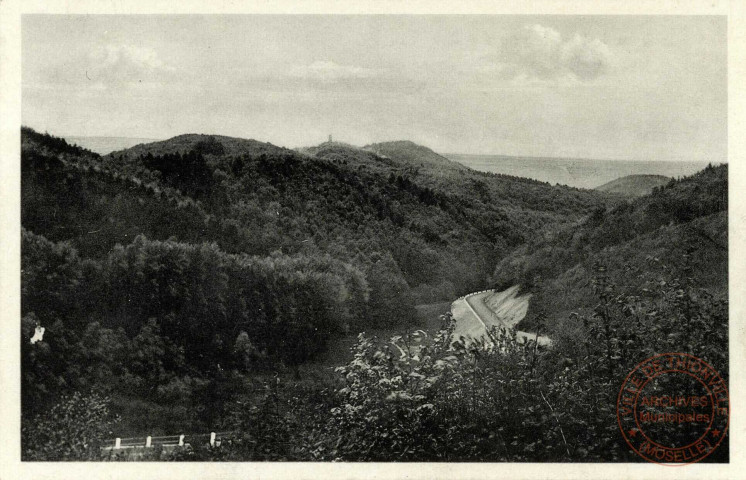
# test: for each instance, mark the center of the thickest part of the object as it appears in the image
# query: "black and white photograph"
(374, 238)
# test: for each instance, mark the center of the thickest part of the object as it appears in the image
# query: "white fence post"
(181, 440)
(212, 439)
(117, 443)
(148, 441)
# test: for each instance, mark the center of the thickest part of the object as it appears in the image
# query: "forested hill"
(241, 254)
(426, 169)
(634, 185)
(205, 144)
(678, 235)
(413, 154)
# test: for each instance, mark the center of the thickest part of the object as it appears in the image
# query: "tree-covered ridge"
(634, 185)
(93, 205)
(683, 224)
(478, 190)
(333, 202)
(205, 144)
(31, 137)
(355, 157)
(410, 153)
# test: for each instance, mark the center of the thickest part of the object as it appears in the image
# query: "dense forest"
(190, 284)
(680, 230)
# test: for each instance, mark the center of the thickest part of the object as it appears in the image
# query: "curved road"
(474, 318)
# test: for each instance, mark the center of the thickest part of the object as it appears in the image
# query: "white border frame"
(10, 121)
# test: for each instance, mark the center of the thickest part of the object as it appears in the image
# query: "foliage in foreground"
(501, 400)
(420, 399)
(71, 430)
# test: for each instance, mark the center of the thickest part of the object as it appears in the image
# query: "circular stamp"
(673, 409)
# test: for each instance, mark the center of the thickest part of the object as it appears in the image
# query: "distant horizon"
(584, 173)
(445, 154)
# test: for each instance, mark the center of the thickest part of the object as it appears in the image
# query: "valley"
(370, 233)
(190, 277)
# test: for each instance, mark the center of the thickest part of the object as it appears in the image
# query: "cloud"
(540, 54)
(326, 71)
(116, 65)
(587, 59)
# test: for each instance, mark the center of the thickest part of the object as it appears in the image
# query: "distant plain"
(580, 173)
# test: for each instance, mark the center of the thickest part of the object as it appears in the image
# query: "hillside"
(192, 290)
(401, 157)
(677, 233)
(416, 236)
(106, 145)
(410, 153)
(425, 169)
(634, 185)
(346, 154)
(206, 144)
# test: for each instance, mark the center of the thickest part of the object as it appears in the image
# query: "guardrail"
(474, 293)
(464, 297)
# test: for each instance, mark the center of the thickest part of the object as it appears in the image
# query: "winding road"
(474, 317)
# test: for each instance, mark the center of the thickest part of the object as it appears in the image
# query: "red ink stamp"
(673, 409)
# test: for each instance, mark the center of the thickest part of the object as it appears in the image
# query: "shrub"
(71, 430)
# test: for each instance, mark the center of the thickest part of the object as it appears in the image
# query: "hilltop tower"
(330, 138)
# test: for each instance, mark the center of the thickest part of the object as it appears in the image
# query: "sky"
(606, 87)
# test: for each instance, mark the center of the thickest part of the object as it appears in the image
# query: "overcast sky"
(652, 88)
